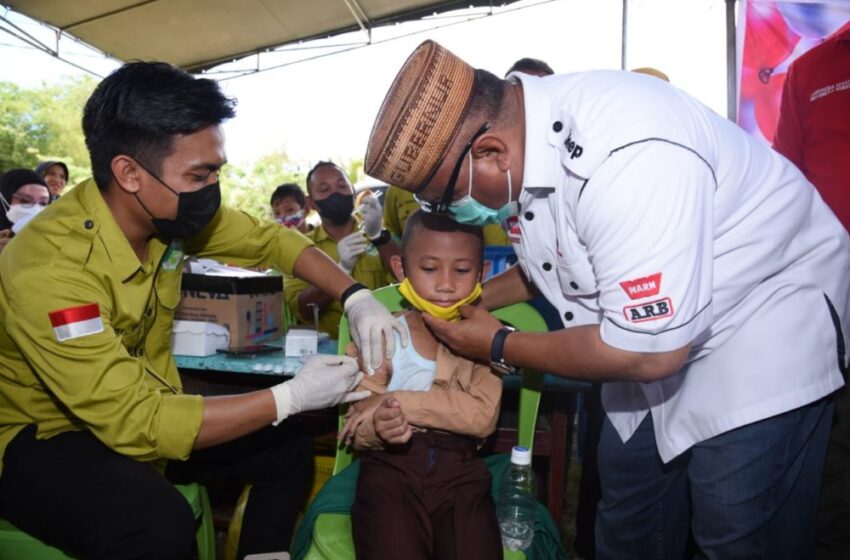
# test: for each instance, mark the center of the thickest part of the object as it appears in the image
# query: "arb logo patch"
(649, 311)
(647, 286)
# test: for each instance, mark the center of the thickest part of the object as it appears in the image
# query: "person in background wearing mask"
(55, 174)
(331, 194)
(288, 206)
(92, 411)
(23, 194)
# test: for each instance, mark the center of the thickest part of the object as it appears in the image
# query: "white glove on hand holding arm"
(324, 381)
(371, 325)
(372, 214)
(349, 248)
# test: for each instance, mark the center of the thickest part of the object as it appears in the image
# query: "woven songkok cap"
(420, 117)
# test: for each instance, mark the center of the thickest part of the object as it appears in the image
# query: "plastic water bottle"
(515, 509)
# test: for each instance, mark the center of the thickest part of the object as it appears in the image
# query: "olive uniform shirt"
(369, 270)
(119, 381)
(399, 204)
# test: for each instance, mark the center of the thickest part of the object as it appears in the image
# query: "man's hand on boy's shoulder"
(390, 422)
(470, 337)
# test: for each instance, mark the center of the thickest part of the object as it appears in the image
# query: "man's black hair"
(487, 96)
(441, 223)
(139, 108)
(531, 65)
(317, 166)
(288, 190)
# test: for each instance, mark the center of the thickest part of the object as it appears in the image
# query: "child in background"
(288, 202)
(421, 480)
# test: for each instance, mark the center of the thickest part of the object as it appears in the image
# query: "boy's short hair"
(442, 223)
(288, 190)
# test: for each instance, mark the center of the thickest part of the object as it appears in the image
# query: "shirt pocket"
(168, 288)
(577, 279)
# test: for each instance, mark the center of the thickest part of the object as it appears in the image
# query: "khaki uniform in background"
(369, 270)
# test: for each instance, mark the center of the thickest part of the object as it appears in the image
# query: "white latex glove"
(323, 381)
(372, 214)
(349, 248)
(371, 325)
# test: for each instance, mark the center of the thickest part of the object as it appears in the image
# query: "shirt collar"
(100, 221)
(320, 234)
(541, 157)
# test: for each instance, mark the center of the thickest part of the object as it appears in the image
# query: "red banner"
(775, 33)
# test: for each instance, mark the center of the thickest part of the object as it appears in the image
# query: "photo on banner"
(771, 35)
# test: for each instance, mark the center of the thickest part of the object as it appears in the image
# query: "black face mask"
(194, 211)
(337, 208)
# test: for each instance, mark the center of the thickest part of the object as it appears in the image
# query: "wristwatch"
(497, 347)
(382, 238)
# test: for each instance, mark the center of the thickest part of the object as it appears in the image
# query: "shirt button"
(149, 312)
(529, 216)
(88, 224)
(573, 285)
(568, 316)
(547, 266)
(557, 126)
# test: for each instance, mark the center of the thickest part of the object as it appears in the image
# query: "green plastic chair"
(336, 542)
(18, 545)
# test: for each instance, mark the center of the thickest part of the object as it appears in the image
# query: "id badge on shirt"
(173, 256)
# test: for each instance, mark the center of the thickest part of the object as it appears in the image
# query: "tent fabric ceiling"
(198, 34)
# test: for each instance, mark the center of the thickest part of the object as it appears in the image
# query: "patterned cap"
(420, 117)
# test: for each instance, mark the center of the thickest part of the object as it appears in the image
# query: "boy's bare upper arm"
(377, 383)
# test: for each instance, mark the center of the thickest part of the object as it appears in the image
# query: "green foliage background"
(45, 123)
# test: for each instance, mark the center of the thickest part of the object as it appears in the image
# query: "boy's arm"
(472, 411)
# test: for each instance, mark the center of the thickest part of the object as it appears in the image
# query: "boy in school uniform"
(421, 480)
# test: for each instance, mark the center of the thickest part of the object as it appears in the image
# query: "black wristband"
(383, 238)
(497, 347)
(349, 291)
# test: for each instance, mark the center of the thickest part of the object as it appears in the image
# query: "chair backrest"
(521, 316)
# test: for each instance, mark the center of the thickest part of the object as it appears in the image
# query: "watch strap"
(497, 347)
(382, 239)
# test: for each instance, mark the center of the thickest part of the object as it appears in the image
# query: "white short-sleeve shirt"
(648, 214)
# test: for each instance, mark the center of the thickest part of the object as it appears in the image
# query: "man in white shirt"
(696, 272)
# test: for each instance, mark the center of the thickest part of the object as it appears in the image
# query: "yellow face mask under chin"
(451, 313)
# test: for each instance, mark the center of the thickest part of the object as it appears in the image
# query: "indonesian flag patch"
(75, 322)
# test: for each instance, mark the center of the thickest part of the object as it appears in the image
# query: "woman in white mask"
(23, 194)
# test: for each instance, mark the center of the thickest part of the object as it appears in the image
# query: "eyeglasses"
(442, 207)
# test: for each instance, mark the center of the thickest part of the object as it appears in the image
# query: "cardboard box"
(301, 342)
(194, 338)
(248, 307)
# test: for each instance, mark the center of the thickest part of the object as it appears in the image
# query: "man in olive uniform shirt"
(91, 406)
(331, 194)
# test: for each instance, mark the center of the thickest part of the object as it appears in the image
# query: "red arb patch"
(649, 311)
(647, 286)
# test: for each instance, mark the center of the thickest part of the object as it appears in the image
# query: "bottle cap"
(520, 455)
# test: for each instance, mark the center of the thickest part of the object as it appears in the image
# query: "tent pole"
(731, 63)
(623, 46)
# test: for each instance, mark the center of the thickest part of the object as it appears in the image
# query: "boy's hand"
(471, 337)
(391, 424)
(356, 413)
